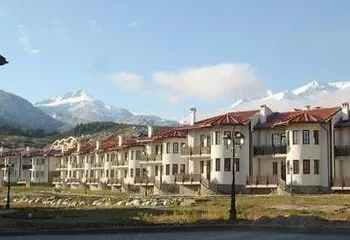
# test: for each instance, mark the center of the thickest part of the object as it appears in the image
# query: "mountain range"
(79, 107)
(314, 93)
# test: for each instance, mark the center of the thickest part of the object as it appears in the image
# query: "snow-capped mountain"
(313, 93)
(79, 107)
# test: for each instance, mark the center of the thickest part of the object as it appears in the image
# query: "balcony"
(196, 151)
(97, 165)
(77, 165)
(269, 150)
(111, 182)
(262, 181)
(188, 178)
(151, 158)
(92, 181)
(26, 166)
(340, 151)
(61, 166)
(58, 180)
(144, 180)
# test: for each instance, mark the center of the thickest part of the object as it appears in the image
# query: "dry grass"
(331, 207)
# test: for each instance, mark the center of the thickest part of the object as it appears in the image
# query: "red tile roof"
(319, 115)
(231, 118)
(177, 132)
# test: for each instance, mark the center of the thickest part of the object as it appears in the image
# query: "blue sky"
(163, 57)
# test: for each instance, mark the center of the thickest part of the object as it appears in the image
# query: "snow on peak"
(78, 96)
(340, 85)
(311, 86)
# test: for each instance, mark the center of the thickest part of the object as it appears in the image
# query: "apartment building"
(305, 149)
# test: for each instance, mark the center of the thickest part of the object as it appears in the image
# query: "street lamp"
(234, 140)
(9, 168)
(3, 60)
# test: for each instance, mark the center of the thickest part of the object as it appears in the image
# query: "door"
(208, 169)
(283, 171)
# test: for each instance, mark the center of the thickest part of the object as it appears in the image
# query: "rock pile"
(97, 202)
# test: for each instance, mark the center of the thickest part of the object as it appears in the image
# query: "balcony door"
(208, 169)
(283, 171)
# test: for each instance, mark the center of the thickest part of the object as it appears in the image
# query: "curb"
(186, 228)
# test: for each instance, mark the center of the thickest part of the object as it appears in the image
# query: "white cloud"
(133, 24)
(59, 30)
(95, 27)
(24, 40)
(211, 82)
(126, 80)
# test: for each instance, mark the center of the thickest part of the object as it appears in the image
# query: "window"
(306, 137)
(316, 166)
(295, 166)
(217, 138)
(276, 139)
(227, 164)
(112, 174)
(217, 164)
(201, 166)
(295, 137)
(144, 172)
(131, 172)
(156, 170)
(287, 138)
(182, 168)
(138, 172)
(288, 167)
(175, 148)
(125, 173)
(167, 147)
(274, 168)
(132, 155)
(227, 134)
(126, 156)
(237, 164)
(209, 141)
(167, 169)
(175, 169)
(157, 149)
(138, 155)
(283, 139)
(316, 137)
(202, 140)
(306, 166)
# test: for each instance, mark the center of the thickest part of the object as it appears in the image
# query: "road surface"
(204, 235)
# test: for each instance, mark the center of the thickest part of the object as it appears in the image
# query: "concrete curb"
(341, 230)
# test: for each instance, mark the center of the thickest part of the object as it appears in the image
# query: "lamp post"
(9, 168)
(234, 139)
(3, 60)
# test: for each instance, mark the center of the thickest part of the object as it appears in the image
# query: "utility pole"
(9, 169)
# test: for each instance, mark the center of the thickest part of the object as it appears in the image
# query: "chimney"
(120, 140)
(345, 111)
(307, 107)
(97, 145)
(192, 116)
(150, 131)
(265, 111)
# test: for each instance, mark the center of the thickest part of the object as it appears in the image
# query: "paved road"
(206, 235)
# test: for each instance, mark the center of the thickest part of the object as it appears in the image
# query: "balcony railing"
(92, 180)
(26, 166)
(262, 180)
(113, 181)
(97, 165)
(269, 150)
(151, 157)
(198, 151)
(58, 179)
(144, 179)
(77, 165)
(62, 166)
(188, 177)
(341, 182)
(342, 151)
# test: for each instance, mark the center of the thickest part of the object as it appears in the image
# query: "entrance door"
(283, 171)
(208, 169)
